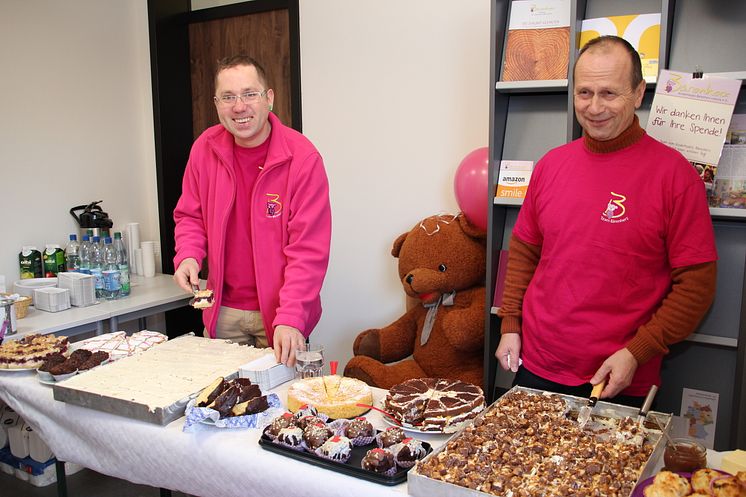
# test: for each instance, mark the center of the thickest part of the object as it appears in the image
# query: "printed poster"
(643, 31)
(730, 183)
(692, 115)
(700, 410)
(513, 179)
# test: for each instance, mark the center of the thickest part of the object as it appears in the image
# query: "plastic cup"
(309, 361)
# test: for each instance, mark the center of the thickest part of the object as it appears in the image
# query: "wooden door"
(185, 46)
(263, 36)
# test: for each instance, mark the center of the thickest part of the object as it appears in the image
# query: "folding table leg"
(59, 467)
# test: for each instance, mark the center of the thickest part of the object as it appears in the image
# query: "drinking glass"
(309, 361)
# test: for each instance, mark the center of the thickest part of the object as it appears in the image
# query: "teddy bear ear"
(397, 244)
(470, 229)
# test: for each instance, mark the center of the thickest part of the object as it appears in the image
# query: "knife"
(646, 405)
(585, 411)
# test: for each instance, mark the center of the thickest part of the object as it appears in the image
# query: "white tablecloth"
(212, 462)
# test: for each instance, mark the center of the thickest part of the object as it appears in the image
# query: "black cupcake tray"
(350, 468)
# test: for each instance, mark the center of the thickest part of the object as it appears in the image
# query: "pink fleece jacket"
(290, 223)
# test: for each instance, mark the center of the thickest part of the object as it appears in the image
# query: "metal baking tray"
(173, 353)
(351, 467)
(420, 485)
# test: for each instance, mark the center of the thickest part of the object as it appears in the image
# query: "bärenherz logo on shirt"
(615, 210)
(274, 206)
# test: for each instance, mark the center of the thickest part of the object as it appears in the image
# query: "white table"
(216, 462)
(148, 296)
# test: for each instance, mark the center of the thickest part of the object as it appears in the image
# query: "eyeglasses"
(247, 97)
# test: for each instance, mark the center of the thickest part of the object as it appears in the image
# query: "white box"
(52, 299)
(8, 418)
(38, 450)
(82, 288)
(18, 438)
(266, 372)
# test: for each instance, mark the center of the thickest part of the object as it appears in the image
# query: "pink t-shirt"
(239, 284)
(611, 228)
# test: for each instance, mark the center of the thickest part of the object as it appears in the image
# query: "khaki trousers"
(242, 327)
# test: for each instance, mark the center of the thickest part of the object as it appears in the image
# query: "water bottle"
(85, 255)
(96, 260)
(72, 254)
(110, 271)
(122, 261)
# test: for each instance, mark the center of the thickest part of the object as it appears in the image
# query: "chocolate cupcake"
(358, 427)
(379, 461)
(307, 421)
(337, 448)
(314, 435)
(407, 452)
(291, 437)
(306, 410)
(279, 423)
(390, 436)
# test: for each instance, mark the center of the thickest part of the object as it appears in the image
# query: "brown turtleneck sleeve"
(522, 261)
(692, 287)
(692, 293)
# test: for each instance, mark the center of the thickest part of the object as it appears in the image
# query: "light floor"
(85, 483)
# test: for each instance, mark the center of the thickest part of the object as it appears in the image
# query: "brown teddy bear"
(441, 263)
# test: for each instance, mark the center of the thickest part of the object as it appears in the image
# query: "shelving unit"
(527, 119)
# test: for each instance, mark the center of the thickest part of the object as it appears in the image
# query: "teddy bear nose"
(409, 279)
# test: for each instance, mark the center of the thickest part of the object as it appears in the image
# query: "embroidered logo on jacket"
(615, 210)
(274, 206)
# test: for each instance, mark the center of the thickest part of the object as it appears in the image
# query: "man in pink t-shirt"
(612, 257)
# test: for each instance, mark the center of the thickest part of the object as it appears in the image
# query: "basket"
(21, 305)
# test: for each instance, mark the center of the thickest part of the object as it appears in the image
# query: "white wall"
(76, 122)
(395, 94)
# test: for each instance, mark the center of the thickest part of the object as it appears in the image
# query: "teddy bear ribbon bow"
(432, 311)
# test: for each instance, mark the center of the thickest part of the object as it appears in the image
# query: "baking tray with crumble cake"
(529, 443)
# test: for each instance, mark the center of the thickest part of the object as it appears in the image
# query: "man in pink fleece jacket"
(255, 202)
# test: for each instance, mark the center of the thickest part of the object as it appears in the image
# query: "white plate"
(414, 429)
(62, 377)
(16, 370)
(44, 375)
(46, 382)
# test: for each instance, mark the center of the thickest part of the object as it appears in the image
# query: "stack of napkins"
(266, 372)
(82, 288)
(52, 299)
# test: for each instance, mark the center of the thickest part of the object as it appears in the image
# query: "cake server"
(585, 412)
(646, 405)
(195, 289)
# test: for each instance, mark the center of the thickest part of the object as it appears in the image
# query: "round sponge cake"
(335, 396)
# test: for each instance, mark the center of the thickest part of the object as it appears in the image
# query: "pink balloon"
(470, 186)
